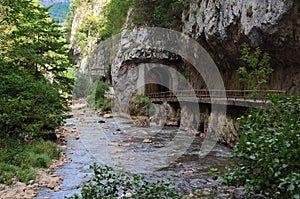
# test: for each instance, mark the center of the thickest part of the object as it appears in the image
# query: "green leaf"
(291, 187)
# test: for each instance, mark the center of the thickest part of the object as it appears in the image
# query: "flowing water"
(154, 152)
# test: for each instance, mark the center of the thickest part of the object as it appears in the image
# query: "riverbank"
(45, 177)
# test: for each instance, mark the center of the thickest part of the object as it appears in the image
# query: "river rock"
(147, 141)
(143, 132)
(116, 144)
(142, 121)
(126, 145)
(115, 152)
(118, 133)
(107, 116)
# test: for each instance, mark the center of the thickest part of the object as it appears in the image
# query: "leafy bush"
(257, 72)
(268, 153)
(107, 183)
(81, 88)
(141, 105)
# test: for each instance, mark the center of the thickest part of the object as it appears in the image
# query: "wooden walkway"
(245, 98)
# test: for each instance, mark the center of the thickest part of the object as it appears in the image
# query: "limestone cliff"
(221, 27)
(82, 41)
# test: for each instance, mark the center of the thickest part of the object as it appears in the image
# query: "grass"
(20, 160)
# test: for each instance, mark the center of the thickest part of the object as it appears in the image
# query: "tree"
(34, 64)
(257, 71)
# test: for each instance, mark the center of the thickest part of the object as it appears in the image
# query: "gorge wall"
(220, 26)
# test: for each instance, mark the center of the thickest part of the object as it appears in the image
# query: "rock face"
(221, 26)
(81, 56)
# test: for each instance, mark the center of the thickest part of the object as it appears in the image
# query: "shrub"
(81, 86)
(107, 183)
(141, 105)
(257, 71)
(268, 153)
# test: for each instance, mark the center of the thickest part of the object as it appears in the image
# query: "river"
(145, 150)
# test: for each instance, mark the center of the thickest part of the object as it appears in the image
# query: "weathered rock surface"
(221, 26)
(94, 8)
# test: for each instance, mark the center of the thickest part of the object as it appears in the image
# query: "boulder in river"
(107, 116)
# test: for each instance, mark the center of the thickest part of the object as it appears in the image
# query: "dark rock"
(50, 136)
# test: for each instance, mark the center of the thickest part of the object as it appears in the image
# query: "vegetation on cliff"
(256, 71)
(100, 26)
(161, 13)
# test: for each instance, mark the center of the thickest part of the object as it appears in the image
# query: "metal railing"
(217, 94)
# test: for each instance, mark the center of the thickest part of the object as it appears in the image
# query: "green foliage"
(28, 106)
(161, 13)
(257, 71)
(249, 11)
(168, 14)
(19, 159)
(96, 96)
(59, 11)
(81, 88)
(143, 12)
(107, 183)
(141, 106)
(115, 13)
(99, 27)
(268, 153)
(33, 43)
(33, 70)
